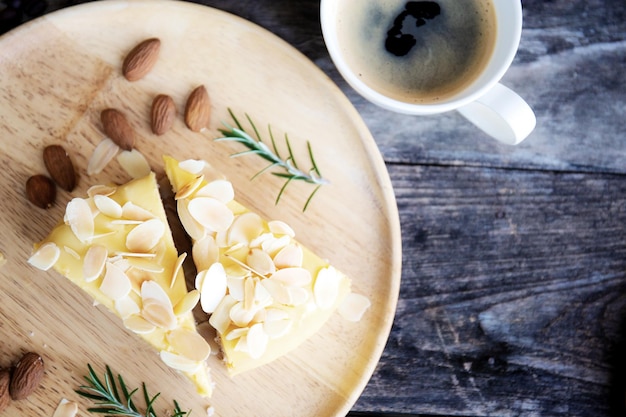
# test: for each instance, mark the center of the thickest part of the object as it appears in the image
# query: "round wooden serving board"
(60, 71)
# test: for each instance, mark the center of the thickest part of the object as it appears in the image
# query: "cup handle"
(502, 114)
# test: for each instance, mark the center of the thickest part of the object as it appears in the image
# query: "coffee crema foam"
(451, 47)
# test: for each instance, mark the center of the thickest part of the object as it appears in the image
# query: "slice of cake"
(117, 246)
(264, 291)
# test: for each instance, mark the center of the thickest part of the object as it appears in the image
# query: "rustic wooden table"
(513, 294)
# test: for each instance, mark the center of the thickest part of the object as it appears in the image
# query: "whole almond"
(198, 109)
(163, 114)
(5, 396)
(117, 128)
(41, 191)
(60, 166)
(141, 59)
(27, 375)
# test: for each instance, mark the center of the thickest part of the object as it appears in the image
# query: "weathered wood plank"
(513, 294)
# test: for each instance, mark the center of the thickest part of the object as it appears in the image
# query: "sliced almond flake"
(258, 241)
(326, 287)
(139, 325)
(179, 362)
(220, 319)
(71, 252)
(78, 217)
(261, 295)
(289, 256)
(101, 156)
(248, 293)
(297, 277)
(45, 256)
(221, 190)
(144, 263)
(134, 163)
(126, 307)
(193, 228)
(236, 333)
(93, 264)
(205, 252)
(145, 236)
(151, 290)
(188, 189)
(241, 345)
(277, 290)
(240, 315)
(354, 306)
(66, 408)
(245, 228)
(257, 341)
(276, 314)
(108, 206)
(194, 166)
(298, 295)
(187, 303)
(132, 211)
(211, 213)
(279, 227)
(105, 190)
(189, 344)
(260, 315)
(277, 328)
(261, 262)
(213, 287)
(272, 246)
(236, 287)
(115, 284)
(177, 268)
(159, 314)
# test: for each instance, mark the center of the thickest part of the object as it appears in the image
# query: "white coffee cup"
(492, 107)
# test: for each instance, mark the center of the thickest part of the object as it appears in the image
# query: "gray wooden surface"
(513, 295)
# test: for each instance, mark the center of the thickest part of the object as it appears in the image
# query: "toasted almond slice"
(277, 290)
(278, 227)
(273, 245)
(93, 264)
(179, 362)
(101, 190)
(248, 293)
(139, 325)
(220, 319)
(108, 206)
(189, 344)
(145, 236)
(78, 217)
(221, 190)
(205, 252)
(194, 166)
(257, 341)
(261, 295)
(177, 268)
(354, 306)
(297, 277)
(45, 256)
(126, 307)
(187, 303)
(159, 314)
(326, 287)
(132, 211)
(289, 256)
(151, 290)
(66, 408)
(298, 295)
(134, 163)
(236, 287)
(189, 188)
(245, 228)
(240, 315)
(102, 155)
(261, 262)
(211, 213)
(193, 228)
(213, 287)
(115, 284)
(277, 328)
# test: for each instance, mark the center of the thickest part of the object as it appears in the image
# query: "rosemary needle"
(115, 398)
(288, 167)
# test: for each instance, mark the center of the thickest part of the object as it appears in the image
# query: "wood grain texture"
(61, 71)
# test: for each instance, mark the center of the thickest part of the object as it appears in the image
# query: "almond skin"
(141, 59)
(60, 166)
(27, 375)
(5, 396)
(117, 128)
(198, 109)
(163, 114)
(41, 191)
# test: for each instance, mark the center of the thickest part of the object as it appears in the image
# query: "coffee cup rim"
(504, 52)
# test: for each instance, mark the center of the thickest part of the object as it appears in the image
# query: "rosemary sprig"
(288, 167)
(108, 400)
